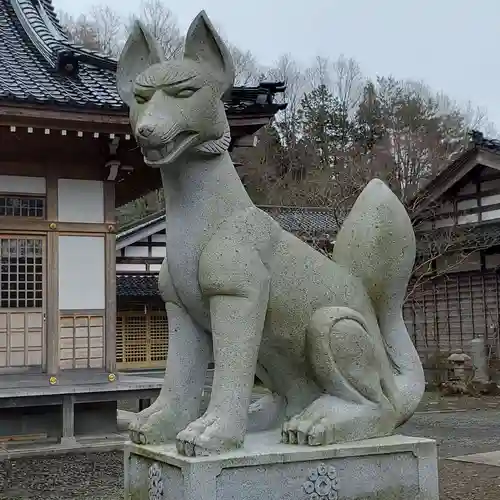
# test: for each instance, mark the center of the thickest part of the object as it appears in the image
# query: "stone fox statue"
(326, 336)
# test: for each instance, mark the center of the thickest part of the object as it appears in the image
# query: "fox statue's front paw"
(157, 426)
(213, 433)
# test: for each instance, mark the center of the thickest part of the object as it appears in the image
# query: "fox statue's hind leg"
(346, 365)
(367, 366)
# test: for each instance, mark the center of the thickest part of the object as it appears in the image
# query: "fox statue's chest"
(183, 252)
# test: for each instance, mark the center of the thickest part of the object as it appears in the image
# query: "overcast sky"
(452, 45)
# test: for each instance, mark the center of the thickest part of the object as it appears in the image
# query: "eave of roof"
(453, 172)
(137, 285)
(33, 46)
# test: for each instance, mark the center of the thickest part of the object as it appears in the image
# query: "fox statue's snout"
(176, 106)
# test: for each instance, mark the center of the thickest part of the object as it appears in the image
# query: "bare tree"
(80, 30)
(348, 82)
(343, 77)
(246, 70)
(162, 23)
(100, 29)
(288, 70)
(109, 26)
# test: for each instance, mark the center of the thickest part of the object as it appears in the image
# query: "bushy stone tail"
(377, 244)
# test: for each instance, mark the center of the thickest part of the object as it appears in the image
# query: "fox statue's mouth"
(170, 151)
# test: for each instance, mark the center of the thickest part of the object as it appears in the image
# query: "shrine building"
(67, 161)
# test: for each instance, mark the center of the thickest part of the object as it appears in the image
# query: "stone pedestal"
(479, 360)
(390, 468)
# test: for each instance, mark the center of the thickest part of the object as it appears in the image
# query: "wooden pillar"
(52, 281)
(110, 264)
(68, 420)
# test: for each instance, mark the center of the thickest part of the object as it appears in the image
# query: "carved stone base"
(390, 468)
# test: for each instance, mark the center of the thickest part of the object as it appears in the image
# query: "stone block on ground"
(389, 468)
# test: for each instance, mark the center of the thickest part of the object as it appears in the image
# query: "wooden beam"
(139, 260)
(52, 281)
(16, 224)
(110, 280)
(44, 169)
(81, 120)
(52, 304)
(489, 159)
(246, 141)
(90, 120)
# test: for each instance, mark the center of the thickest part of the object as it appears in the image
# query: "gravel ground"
(462, 433)
(99, 476)
(93, 476)
(433, 401)
(462, 481)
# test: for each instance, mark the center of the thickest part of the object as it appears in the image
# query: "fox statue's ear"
(203, 43)
(141, 51)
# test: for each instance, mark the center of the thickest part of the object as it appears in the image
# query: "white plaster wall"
(158, 238)
(81, 272)
(80, 201)
(131, 268)
(465, 204)
(22, 185)
(158, 252)
(490, 200)
(491, 215)
(133, 251)
(467, 219)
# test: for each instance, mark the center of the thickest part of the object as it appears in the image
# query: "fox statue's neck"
(206, 187)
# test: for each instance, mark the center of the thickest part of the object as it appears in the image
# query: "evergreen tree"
(325, 126)
(369, 119)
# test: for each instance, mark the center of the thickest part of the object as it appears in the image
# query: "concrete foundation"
(390, 468)
(39, 413)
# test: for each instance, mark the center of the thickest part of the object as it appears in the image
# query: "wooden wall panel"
(81, 340)
(447, 312)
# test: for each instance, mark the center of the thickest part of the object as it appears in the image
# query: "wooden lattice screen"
(141, 340)
(447, 312)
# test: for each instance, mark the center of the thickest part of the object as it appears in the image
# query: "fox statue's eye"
(140, 99)
(185, 93)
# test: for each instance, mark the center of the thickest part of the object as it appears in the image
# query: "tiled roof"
(136, 285)
(482, 142)
(317, 221)
(34, 53)
(30, 46)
